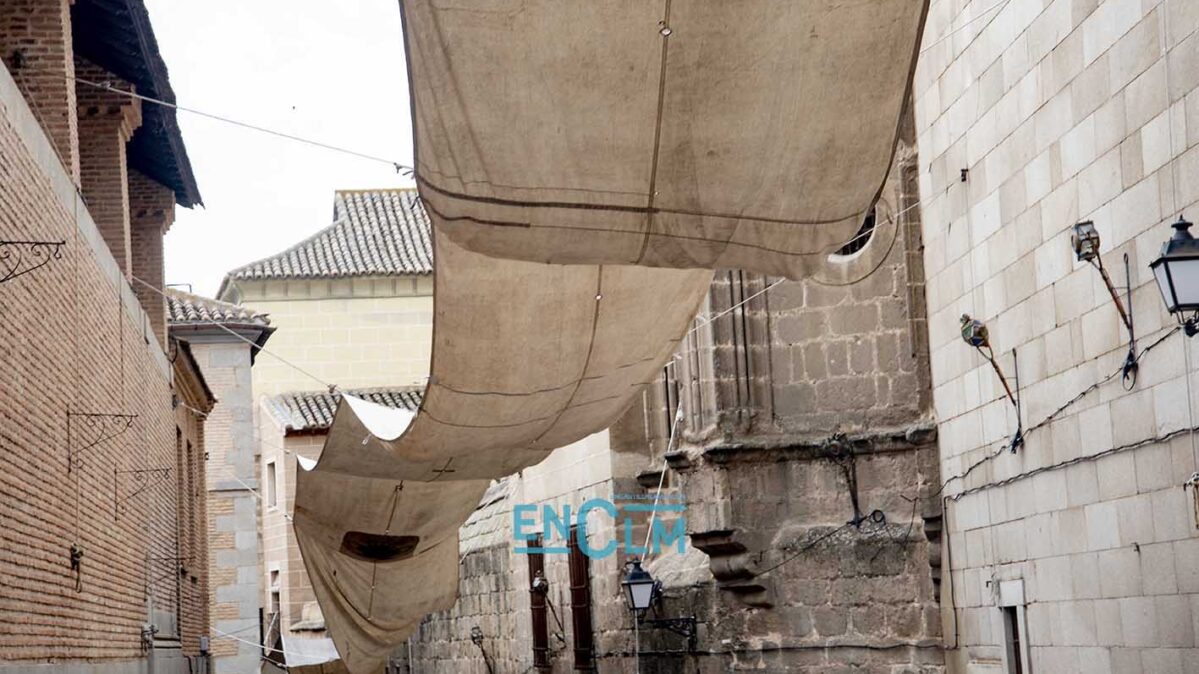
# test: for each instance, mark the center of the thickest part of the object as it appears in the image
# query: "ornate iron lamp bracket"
(86, 430)
(142, 480)
(18, 258)
(686, 627)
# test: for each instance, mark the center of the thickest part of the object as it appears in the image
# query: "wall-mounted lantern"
(1084, 238)
(1177, 275)
(476, 638)
(641, 590)
(540, 585)
(975, 333)
(642, 593)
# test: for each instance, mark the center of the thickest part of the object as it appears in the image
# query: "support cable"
(981, 15)
(1052, 415)
(653, 513)
(107, 86)
(258, 347)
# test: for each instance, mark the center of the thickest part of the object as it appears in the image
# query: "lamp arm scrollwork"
(18, 258)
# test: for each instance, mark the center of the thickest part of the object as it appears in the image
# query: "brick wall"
(151, 213)
(107, 121)
(72, 338)
(280, 551)
(35, 39)
(185, 576)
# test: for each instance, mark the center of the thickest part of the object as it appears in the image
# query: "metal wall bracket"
(141, 481)
(687, 627)
(1018, 436)
(1128, 372)
(86, 430)
(18, 258)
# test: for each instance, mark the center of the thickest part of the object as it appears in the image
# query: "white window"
(274, 588)
(272, 485)
(1015, 634)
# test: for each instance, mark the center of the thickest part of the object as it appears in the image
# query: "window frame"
(1010, 602)
(272, 485)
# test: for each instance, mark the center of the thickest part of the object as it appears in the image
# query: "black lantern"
(540, 585)
(641, 590)
(1177, 275)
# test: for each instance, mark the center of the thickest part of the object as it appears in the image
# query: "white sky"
(332, 71)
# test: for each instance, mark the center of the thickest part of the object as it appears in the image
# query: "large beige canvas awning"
(585, 166)
(751, 134)
(527, 357)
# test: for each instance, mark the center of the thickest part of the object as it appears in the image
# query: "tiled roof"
(188, 309)
(117, 36)
(309, 411)
(374, 233)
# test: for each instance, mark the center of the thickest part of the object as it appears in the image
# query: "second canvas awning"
(526, 358)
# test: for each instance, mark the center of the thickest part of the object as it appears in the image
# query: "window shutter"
(580, 603)
(537, 603)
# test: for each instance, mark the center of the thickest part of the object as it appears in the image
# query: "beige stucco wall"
(1062, 110)
(356, 333)
(280, 551)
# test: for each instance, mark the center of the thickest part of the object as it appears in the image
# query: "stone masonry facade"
(806, 454)
(1029, 120)
(495, 578)
(233, 535)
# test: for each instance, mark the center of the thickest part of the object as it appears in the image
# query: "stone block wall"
(356, 333)
(1061, 111)
(494, 590)
(842, 351)
(805, 405)
(795, 587)
(233, 525)
(73, 338)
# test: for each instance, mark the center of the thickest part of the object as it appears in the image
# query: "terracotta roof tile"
(188, 309)
(308, 411)
(374, 233)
